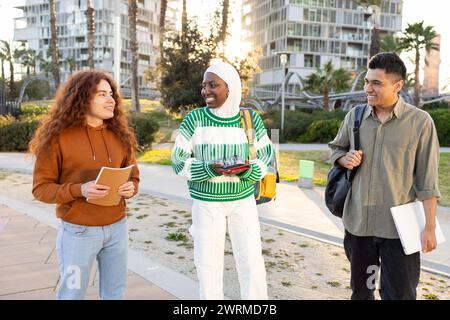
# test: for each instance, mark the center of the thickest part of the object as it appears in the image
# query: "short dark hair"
(390, 62)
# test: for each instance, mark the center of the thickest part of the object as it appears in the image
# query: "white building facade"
(111, 36)
(312, 32)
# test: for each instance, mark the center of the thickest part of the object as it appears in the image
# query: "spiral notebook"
(114, 178)
(409, 220)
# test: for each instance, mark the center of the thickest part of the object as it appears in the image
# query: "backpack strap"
(359, 113)
(247, 121)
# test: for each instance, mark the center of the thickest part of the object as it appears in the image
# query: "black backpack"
(339, 178)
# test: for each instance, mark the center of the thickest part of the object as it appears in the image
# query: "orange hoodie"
(74, 158)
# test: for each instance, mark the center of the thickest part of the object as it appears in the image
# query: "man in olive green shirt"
(398, 163)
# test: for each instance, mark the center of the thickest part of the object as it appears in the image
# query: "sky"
(433, 12)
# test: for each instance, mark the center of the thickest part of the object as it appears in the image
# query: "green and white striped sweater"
(203, 139)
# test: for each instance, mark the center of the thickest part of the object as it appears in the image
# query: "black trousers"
(400, 273)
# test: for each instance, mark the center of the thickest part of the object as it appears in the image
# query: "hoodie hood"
(227, 73)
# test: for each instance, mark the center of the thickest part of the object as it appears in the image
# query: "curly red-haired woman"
(85, 130)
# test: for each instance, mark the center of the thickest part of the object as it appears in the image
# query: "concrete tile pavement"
(297, 210)
(29, 265)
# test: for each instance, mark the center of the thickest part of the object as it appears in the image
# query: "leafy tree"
(181, 70)
(246, 67)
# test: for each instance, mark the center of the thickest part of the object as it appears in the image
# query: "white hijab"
(227, 73)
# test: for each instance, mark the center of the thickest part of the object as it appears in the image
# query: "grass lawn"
(158, 156)
(289, 167)
(444, 179)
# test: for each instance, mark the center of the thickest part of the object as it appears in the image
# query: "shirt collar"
(399, 109)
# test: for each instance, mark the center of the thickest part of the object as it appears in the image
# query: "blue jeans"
(77, 247)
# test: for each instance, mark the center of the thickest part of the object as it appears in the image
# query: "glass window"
(308, 61)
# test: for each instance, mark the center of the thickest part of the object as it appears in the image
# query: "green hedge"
(322, 131)
(298, 124)
(321, 126)
(441, 118)
(15, 134)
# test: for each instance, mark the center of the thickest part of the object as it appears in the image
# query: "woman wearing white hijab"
(207, 136)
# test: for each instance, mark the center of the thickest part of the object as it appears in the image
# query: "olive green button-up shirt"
(399, 165)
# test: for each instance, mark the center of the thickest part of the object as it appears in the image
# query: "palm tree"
(223, 29)
(327, 80)
(29, 60)
(375, 6)
(9, 54)
(72, 64)
(47, 67)
(390, 43)
(54, 43)
(132, 19)
(90, 19)
(416, 37)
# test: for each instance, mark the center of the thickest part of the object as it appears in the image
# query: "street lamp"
(283, 62)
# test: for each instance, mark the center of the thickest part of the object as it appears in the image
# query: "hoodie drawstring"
(90, 143)
(92, 146)
(106, 146)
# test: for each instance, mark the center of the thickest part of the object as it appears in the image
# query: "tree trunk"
(162, 24)
(223, 30)
(132, 18)
(12, 88)
(326, 100)
(90, 19)
(375, 43)
(416, 79)
(184, 22)
(54, 43)
(3, 69)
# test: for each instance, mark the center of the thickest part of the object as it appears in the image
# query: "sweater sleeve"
(131, 159)
(46, 186)
(264, 153)
(184, 162)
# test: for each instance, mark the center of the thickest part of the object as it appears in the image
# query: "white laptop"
(410, 221)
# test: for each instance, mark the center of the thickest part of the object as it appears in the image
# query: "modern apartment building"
(111, 36)
(311, 32)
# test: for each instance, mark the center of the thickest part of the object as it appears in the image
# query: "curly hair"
(71, 105)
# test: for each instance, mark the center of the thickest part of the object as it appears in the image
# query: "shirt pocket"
(398, 155)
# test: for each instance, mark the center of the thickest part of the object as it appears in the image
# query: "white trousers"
(209, 220)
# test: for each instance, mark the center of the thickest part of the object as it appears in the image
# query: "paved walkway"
(29, 266)
(297, 210)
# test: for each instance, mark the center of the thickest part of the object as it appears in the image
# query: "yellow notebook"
(114, 178)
